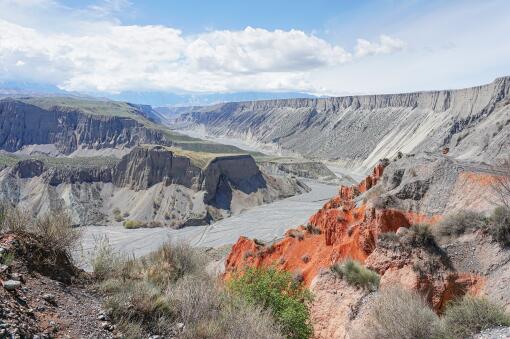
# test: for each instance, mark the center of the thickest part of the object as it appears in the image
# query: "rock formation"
(370, 222)
(357, 131)
(150, 184)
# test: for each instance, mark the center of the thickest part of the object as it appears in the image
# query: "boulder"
(11, 285)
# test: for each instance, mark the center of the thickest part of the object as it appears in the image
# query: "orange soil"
(346, 231)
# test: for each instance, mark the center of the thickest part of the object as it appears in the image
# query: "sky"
(321, 47)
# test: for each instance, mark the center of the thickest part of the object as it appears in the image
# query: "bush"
(56, 231)
(171, 262)
(470, 316)
(105, 261)
(399, 314)
(153, 293)
(136, 289)
(132, 224)
(420, 235)
(235, 319)
(499, 227)
(296, 234)
(195, 298)
(355, 274)
(278, 292)
(244, 320)
(310, 228)
(460, 223)
(15, 219)
(138, 302)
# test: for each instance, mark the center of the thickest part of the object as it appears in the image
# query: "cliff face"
(150, 184)
(23, 124)
(144, 167)
(472, 123)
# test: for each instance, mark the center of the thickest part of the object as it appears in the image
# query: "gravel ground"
(35, 305)
(494, 333)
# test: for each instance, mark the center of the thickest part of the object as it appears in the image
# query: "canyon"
(266, 198)
(110, 163)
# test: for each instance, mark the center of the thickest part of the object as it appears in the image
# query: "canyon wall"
(23, 124)
(357, 131)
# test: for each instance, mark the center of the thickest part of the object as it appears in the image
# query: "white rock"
(11, 285)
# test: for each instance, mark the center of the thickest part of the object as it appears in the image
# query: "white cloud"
(259, 50)
(385, 45)
(90, 50)
(108, 7)
(156, 57)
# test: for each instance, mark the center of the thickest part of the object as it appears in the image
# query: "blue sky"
(195, 16)
(322, 47)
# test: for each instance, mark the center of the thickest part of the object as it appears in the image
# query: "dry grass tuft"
(469, 316)
(460, 223)
(57, 231)
(499, 226)
(399, 314)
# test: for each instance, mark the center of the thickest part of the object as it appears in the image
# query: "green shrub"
(132, 224)
(499, 226)
(278, 292)
(117, 215)
(460, 223)
(397, 313)
(355, 274)
(7, 258)
(469, 316)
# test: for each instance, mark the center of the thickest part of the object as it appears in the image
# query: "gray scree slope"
(357, 131)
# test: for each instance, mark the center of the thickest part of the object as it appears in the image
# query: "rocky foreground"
(44, 295)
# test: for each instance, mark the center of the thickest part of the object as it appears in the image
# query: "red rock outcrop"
(345, 228)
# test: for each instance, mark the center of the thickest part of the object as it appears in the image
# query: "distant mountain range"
(153, 98)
